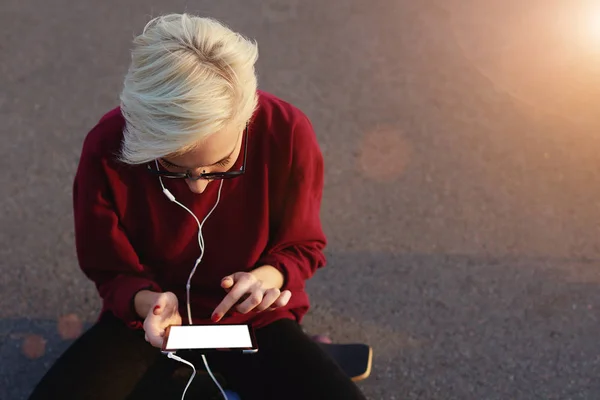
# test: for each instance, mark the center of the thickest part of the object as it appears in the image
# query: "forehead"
(209, 150)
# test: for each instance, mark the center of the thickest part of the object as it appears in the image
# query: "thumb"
(160, 305)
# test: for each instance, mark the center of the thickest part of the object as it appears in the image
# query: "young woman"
(195, 144)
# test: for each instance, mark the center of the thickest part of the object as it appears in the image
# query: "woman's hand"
(163, 312)
(251, 292)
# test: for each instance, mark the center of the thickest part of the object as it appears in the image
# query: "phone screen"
(182, 337)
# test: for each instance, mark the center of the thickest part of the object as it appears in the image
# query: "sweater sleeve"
(104, 252)
(297, 240)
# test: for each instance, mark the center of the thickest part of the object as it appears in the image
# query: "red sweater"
(129, 236)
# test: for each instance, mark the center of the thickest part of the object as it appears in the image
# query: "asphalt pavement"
(462, 200)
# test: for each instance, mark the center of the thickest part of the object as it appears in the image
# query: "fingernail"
(156, 308)
(215, 317)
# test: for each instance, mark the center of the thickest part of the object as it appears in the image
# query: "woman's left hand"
(251, 293)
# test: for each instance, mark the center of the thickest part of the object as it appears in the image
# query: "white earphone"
(172, 355)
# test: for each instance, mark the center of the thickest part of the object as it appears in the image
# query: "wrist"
(143, 301)
(270, 276)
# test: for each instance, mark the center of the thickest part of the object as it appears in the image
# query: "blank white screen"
(209, 337)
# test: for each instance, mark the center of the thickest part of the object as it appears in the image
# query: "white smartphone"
(210, 337)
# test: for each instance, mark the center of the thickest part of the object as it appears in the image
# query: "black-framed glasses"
(209, 175)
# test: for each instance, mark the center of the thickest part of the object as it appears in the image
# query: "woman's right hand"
(163, 311)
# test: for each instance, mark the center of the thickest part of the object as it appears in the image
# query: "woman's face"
(217, 153)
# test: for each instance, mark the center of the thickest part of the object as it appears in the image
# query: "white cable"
(201, 244)
(213, 378)
(200, 237)
(188, 284)
(181, 360)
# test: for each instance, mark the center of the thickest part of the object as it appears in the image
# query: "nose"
(198, 186)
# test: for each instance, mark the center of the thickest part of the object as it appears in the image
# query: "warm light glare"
(590, 23)
(594, 24)
(544, 53)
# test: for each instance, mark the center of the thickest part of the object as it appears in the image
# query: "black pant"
(112, 362)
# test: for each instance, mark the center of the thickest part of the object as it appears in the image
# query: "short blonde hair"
(189, 77)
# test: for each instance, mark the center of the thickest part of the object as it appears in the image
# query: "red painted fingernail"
(215, 317)
(156, 308)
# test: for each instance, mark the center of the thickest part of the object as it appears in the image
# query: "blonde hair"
(189, 77)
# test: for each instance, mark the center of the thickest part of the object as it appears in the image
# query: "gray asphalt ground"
(462, 190)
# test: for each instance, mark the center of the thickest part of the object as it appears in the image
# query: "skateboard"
(355, 359)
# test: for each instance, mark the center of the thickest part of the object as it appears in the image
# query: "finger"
(227, 282)
(282, 301)
(242, 299)
(152, 326)
(268, 299)
(241, 287)
(176, 319)
(255, 299)
(156, 341)
(153, 338)
(160, 305)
